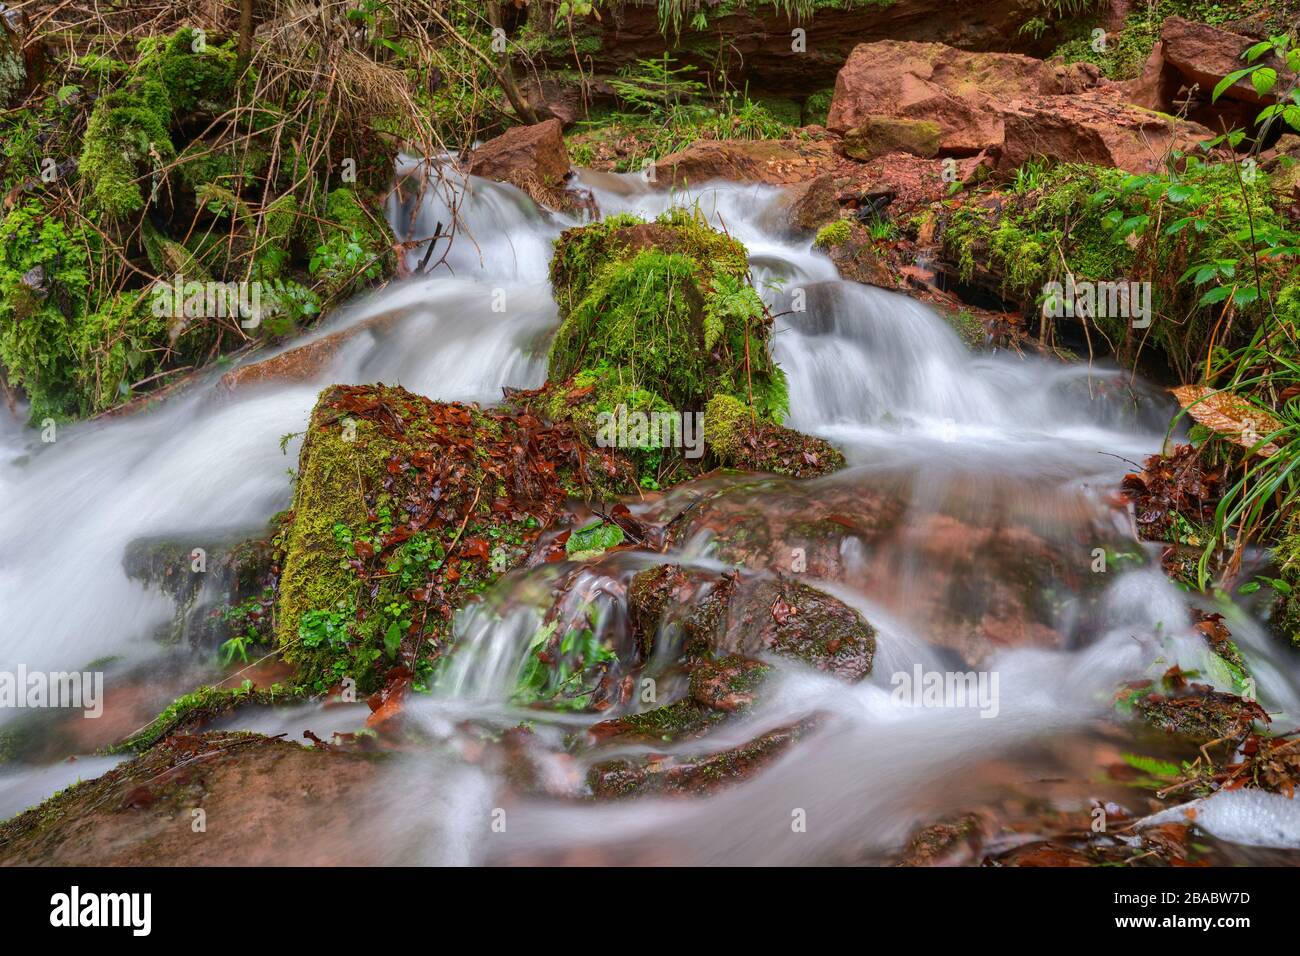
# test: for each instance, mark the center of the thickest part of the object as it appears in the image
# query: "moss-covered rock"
(880, 135)
(1169, 230)
(737, 438)
(405, 508)
(668, 303)
(659, 319)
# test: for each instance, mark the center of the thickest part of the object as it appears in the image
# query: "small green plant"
(326, 627)
(593, 539)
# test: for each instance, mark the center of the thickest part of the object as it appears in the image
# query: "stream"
(1000, 470)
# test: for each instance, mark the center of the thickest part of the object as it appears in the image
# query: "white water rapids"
(993, 441)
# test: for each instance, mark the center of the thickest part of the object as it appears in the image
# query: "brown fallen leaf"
(1229, 415)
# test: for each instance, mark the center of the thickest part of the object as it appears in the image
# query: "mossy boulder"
(404, 509)
(659, 317)
(737, 438)
(850, 246)
(880, 135)
(668, 303)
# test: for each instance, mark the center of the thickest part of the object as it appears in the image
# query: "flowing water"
(999, 470)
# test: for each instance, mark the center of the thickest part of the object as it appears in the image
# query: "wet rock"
(809, 206)
(301, 363)
(681, 720)
(201, 574)
(773, 162)
(730, 615)
(780, 525)
(259, 796)
(649, 597)
(850, 246)
(690, 775)
(792, 619)
(1201, 714)
(961, 92)
(943, 844)
(880, 135)
(728, 683)
(532, 158)
(1093, 129)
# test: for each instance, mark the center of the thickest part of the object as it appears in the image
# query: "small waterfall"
(994, 459)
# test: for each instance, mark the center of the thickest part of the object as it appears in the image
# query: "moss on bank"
(1180, 232)
(123, 170)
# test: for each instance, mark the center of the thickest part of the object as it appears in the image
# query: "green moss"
(1103, 225)
(832, 234)
(341, 462)
(44, 281)
(404, 509)
(685, 718)
(880, 135)
(668, 304)
(1126, 51)
(113, 349)
(200, 706)
(196, 74)
(202, 163)
(126, 137)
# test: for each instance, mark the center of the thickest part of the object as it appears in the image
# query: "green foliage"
(1263, 78)
(250, 622)
(593, 539)
(1123, 54)
(44, 280)
(563, 669)
(1188, 232)
(663, 110)
(656, 87)
(351, 250)
(668, 303)
(833, 233)
(127, 132)
(817, 108)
